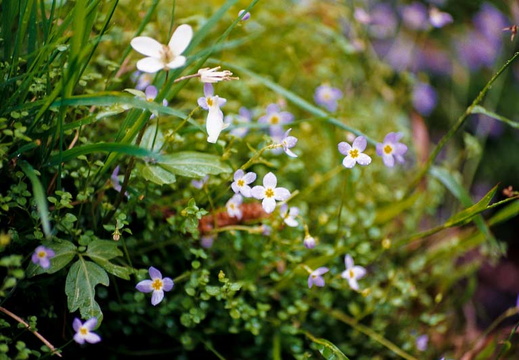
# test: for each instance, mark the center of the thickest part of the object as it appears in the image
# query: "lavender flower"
(242, 181)
(244, 117)
(42, 256)
(289, 215)
(84, 331)
(352, 272)
(199, 184)
(316, 278)
(212, 103)
(327, 97)
(414, 16)
(309, 242)
(276, 118)
(439, 18)
(354, 153)
(141, 79)
(157, 285)
(424, 98)
(288, 142)
(233, 206)
(391, 149)
(421, 342)
(207, 241)
(245, 17)
(269, 193)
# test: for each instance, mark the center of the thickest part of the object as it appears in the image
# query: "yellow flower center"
(388, 149)
(232, 206)
(269, 193)
(351, 273)
(240, 182)
(274, 120)
(354, 153)
(210, 101)
(42, 254)
(156, 284)
(83, 331)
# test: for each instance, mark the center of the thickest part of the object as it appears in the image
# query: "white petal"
(147, 46)
(214, 124)
(281, 194)
(270, 180)
(359, 272)
(344, 147)
(360, 143)
(269, 205)
(348, 261)
(364, 159)
(180, 39)
(150, 65)
(178, 62)
(258, 192)
(348, 162)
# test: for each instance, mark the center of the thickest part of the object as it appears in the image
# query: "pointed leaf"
(465, 215)
(103, 250)
(80, 284)
(194, 164)
(327, 349)
(157, 174)
(153, 139)
(64, 253)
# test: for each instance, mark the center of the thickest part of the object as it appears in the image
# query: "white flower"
(161, 56)
(352, 272)
(241, 182)
(354, 153)
(233, 206)
(214, 123)
(270, 193)
(157, 285)
(84, 331)
(289, 215)
(212, 76)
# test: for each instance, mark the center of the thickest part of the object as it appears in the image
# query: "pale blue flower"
(269, 193)
(233, 206)
(288, 142)
(84, 331)
(354, 153)
(421, 342)
(243, 117)
(391, 149)
(157, 285)
(212, 103)
(327, 97)
(316, 278)
(276, 119)
(42, 256)
(245, 17)
(241, 182)
(352, 272)
(289, 216)
(439, 18)
(199, 184)
(309, 242)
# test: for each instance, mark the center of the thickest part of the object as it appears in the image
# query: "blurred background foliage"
(66, 123)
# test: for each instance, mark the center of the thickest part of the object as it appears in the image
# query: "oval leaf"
(194, 164)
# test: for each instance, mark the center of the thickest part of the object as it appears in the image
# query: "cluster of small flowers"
(351, 274)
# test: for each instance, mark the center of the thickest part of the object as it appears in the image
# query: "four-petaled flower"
(327, 96)
(391, 149)
(289, 215)
(212, 103)
(288, 142)
(208, 75)
(157, 284)
(242, 181)
(354, 153)
(161, 56)
(276, 118)
(352, 272)
(233, 206)
(42, 256)
(84, 331)
(270, 193)
(316, 278)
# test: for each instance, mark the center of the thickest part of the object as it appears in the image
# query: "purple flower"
(354, 153)
(316, 278)
(309, 242)
(245, 17)
(424, 98)
(212, 103)
(84, 331)
(207, 241)
(157, 285)
(42, 256)
(288, 142)
(391, 149)
(244, 117)
(439, 18)
(141, 79)
(242, 181)
(327, 97)
(352, 272)
(289, 215)
(276, 118)
(414, 16)
(150, 94)
(233, 206)
(384, 22)
(421, 342)
(269, 193)
(198, 184)
(361, 16)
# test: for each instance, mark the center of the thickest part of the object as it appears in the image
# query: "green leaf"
(467, 214)
(194, 164)
(481, 110)
(103, 250)
(80, 284)
(39, 195)
(156, 174)
(153, 139)
(327, 349)
(64, 251)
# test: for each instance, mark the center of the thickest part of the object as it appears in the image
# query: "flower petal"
(360, 143)
(319, 281)
(179, 61)
(180, 39)
(167, 284)
(76, 324)
(359, 272)
(348, 261)
(150, 65)
(389, 160)
(364, 159)
(270, 180)
(238, 174)
(79, 339)
(349, 162)
(147, 46)
(320, 271)
(281, 194)
(353, 283)
(144, 286)
(92, 338)
(157, 297)
(380, 149)
(154, 273)
(90, 324)
(246, 191)
(400, 149)
(214, 124)
(344, 147)
(269, 205)
(151, 92)
(290, 153)
(258, 192)
(250, 177)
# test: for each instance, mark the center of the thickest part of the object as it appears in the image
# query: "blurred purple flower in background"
(415, 16)
(276, 119)
(207, 241)
(243, 117)
(384, 22)
(421, 342)
(42, 256)
(439, 18)
(327, 96)
(424, 98)
(391, 149)
(233, 206)
(316, 278)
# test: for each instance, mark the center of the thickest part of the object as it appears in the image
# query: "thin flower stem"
(461, 120)
(256, 156)
(37, 334)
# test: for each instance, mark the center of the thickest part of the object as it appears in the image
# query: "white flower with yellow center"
(352, 272)
(160, 56)
(241, 182)
(233, 206)
(157, 285)
(214, 123)
(354, 153)
(269, 193)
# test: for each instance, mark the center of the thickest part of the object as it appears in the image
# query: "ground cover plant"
(258, 179)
